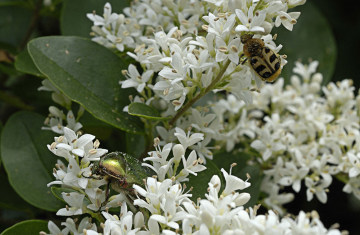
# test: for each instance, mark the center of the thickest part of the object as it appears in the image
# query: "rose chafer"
(121, 171)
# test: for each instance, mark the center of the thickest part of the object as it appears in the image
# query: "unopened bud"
(178, 151)
(215, 180)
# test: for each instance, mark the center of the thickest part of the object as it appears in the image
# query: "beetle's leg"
(107, 196)
(244, 61)
(91, 177)
(240, 59)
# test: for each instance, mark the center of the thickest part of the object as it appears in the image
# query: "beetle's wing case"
(115, 165)
(135, 172)
(266, 64)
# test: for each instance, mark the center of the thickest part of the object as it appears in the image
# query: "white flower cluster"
(186, 57)
(300, 134)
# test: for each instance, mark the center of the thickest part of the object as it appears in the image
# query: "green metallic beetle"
(121, 171)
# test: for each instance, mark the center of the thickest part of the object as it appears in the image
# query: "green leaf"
(135, 144)
(145, 111)
(57, 193)
(27, 160)
(200, 182)
(11, 200)
(27, 227)
(88, 74)
(25, 64)
(311, 38)
(225, 159)
(73, 18)
(14, 22)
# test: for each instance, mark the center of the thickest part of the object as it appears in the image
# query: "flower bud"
(314, 87)
(317, 77)
(55, 111)
(267, 26)
(120, 20)
(295, 81)
(241, 199)
(98, 31)
(215, 180)
(178, 151)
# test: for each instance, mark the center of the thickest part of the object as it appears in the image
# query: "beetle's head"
(244, 38)
(95, 169)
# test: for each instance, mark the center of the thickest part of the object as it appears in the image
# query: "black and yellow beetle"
(264, 61)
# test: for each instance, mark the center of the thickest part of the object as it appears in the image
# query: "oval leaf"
(145, 111)
(73, 17)
(27, 227)
(200, 182)
(25, 64)
(309, 39)
(27, 160)
(87, 73)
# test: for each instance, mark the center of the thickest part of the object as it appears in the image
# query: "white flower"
(106, 20)
(154, 190)
(75, 145)
(287, 19)
(54, 230)
(121, 39)
(75, 202)
(230, 51)
(135, 80)
(317, 188)
(202, 122)
(191, 165)
(250, 23)
(185, 139)
(189, 25)
(170, 215)
(84, 224)
(178, 71)
(296, 175)
(233, 183)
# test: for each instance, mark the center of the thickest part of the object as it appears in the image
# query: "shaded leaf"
(311, 38)
(25, 64)
(27, 160)
(70, 63)
(14, 22)
(73, 17)
(11, 200)
(135, 144)
(27, 227)
(145, 111)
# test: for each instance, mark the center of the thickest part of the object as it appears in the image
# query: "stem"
(201, 94)
(33, 23)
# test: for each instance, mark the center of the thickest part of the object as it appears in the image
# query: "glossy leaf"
(11, 200)
(200, 182)
(57, 193)
(145, 111)
(135, 144)
(27, 160)
(73, 17)
(87, 73)
(25, 64)
(311, 38)
(27, 227)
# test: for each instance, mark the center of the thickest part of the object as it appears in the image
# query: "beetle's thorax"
(253, 47)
